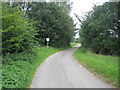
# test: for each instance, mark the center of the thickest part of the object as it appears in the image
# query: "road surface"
(61, 70)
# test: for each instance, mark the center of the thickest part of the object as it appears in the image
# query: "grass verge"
(73, 44)
(42, 54)
(19, 68)
(104, 66)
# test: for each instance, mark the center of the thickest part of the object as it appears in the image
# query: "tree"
(17, 31)
(99, 31)
(53, 21)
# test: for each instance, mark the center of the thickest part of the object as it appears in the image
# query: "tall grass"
(105, 66)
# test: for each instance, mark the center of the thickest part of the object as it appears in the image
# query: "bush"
(16, 36)
(16, 68)
(16, 74)
(27, 55)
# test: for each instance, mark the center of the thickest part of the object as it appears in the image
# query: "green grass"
(42, 54)
(19, 68)
(102, 65)
(73, 44)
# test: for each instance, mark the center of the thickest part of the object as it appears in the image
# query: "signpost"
(47, 39)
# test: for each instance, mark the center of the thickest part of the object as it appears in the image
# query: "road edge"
(92, 72)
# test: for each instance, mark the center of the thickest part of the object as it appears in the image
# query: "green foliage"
(75, 40)
(18, 69)
(16, 74)
(105, 66)
(53, 21)
(22, 29)
(73, 44)
(99, 31)
(24, 56)
(17, 31)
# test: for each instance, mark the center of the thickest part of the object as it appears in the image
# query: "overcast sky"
(80, 7)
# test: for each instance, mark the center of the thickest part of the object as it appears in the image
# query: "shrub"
(16, 74)
(17, 30)
(16, 68)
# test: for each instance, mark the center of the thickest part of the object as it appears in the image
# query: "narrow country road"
(61, 70)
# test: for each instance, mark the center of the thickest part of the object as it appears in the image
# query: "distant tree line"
(99, 30)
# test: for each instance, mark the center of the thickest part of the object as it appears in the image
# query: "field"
(106, 67)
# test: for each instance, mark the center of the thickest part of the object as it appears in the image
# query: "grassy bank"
(106, 67)
(18, 69)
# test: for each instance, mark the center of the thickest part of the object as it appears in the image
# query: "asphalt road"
(61, 70)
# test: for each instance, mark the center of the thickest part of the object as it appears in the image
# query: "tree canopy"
(27, 23)
(99, 31)
(52, 21)
(17, 30)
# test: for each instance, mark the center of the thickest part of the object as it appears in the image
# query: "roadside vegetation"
(25, 27)
(19, 69)
(99, 29)
(105, 66)
(99, 41)
(73, 44)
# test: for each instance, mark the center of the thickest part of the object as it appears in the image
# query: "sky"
(80, 7)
